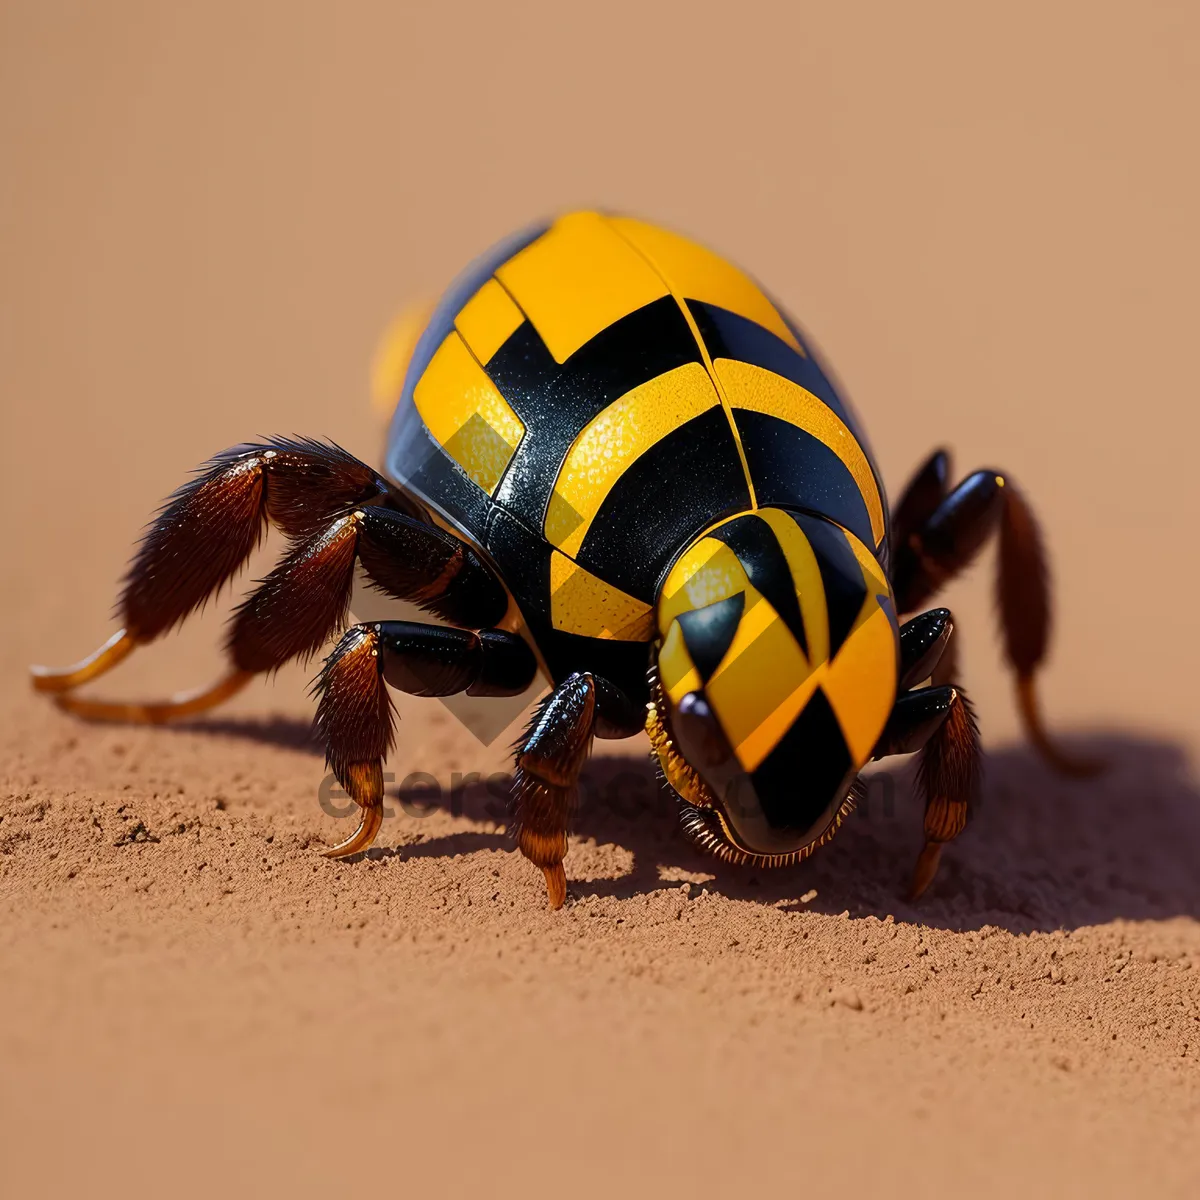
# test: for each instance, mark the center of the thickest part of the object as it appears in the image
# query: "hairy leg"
(335, 510)
(354, 712)
(936, 537)
(550, 757)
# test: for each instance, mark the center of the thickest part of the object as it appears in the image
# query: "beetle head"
(776, 672)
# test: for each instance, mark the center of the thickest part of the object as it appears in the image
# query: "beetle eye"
(700, 736)
(705, 746)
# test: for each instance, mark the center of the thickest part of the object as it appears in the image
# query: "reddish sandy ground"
(204, 222)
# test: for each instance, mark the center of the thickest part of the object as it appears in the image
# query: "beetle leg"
(948, 540)
(208, 528)
(919, 500)
(1023, 593)
(355, 715)
(157, 712)
(291, 613)
(948, 775)
(549, 759)
(939, 721)
(434, 660)
(616, 715)
(298, 605)
(916, 717)
(923, 644)
(929, 552)
(62, 679)
(204, 533)
(304, 599)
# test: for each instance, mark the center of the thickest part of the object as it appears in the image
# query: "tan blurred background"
(985, 215)
(988, 222)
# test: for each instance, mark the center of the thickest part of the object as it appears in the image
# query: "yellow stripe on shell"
(759, 390)
(467, 416)
(584, 604)
(577, 279)
(806, 579)
(696, 273)
(613, 439)
(862, 696)
(676, 671)
(761, 684)
(877, 582)
(487, 320)
(708, 571)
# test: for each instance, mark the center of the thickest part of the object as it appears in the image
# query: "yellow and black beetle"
(616, 460)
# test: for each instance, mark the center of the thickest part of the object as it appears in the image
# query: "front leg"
(939, 722)
(550, 758)
(354, 715)
(949, 777)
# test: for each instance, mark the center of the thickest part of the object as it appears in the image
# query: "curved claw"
(63, 679)
(556, 885)
(1031, 714)
(925, 870)
(183, 704)
(361, 839)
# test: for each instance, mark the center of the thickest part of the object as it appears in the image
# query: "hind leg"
(938, 533)
(336, 511)
(949, 778)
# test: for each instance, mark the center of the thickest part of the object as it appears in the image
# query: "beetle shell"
(593, 393)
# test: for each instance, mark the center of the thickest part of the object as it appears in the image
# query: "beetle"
(616, 461)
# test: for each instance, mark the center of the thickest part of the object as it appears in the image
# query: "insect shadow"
(1041, 853)
(289, 733)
